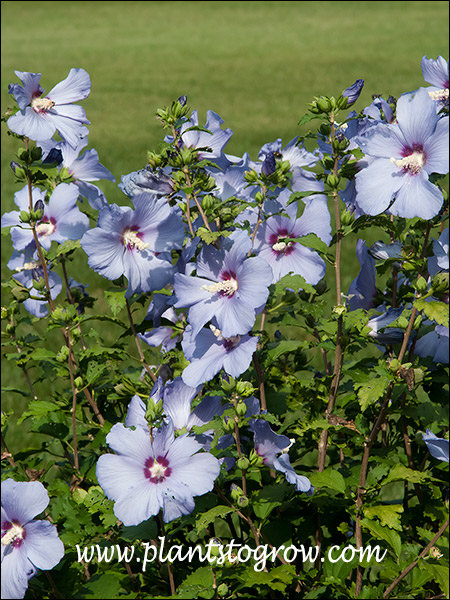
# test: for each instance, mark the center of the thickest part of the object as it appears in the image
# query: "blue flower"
(438, 447)
(436, 73)
(61, 221)
(41, 116)
(83, 169)
(434, 344)
(129, 242)
(402, 156)
(209, 352)
(439, 261)
(229, 287)
(27, 545)
(145, 475)
(269, 445)
(28, 269)
(273, 239)
(362, 290)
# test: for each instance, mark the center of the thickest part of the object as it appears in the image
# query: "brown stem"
(74, 408)
(338, 355)
(410, 567)
(197, 202)
(260, 377)
(138, 346)
(169, 567)
(70, 297)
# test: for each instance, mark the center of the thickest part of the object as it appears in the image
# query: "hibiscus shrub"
(211, 391)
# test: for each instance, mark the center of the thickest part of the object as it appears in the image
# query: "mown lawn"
(255, 63)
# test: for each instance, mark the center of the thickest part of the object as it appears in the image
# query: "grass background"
(257, 64)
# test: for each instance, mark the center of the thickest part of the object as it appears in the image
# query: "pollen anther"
(42, 104)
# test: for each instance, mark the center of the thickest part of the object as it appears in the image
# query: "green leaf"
(116, 301)
(283, 347)
(277, 579)
(295, 282)
(208, 517)
(434, 310)
(370, 391)
(384, 533)
(440, 573)
(144, 531)
(39, 408)
(402, 473)
(311, 240)
(198, 585)
(329, 478)
(387, 514)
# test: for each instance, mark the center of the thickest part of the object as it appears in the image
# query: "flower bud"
(353, 92)
(242, 502)
(269, 165)
(324, 104)
(24, 216)
(182, 100)
(347, 218)
(332, 180)
(78, 382)
(241, 409)
(421, 285)
(236, 491)
(243, 463)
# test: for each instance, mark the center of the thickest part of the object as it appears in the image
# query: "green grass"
(255, 63)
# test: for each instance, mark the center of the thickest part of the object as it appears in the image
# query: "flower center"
(29, 266)
(413, 160)
(131, 238)
(281, 245)
(46, 227)
(231, 343)
(227, 287)
(439, 95)
(157, 470)
(14, 534)
(39, 104)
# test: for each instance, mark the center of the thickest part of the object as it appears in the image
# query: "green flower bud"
(243, 463)
(255, 459)
(78, 382)
(241, 409)
(222, 590)
(242, 502)
(421, 285)
(228, 424)
(236, 492)
(347, 218)
(324, 104)
(332, 180)
(25, 216)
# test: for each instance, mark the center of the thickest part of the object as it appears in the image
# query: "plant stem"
(338, 356)
(138, 346)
